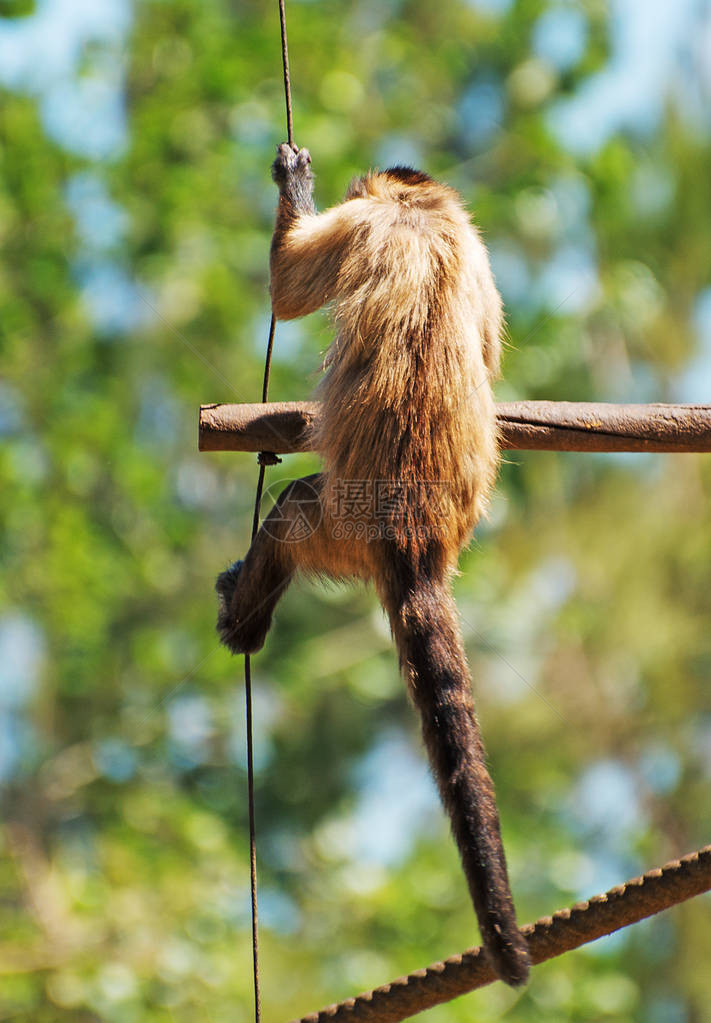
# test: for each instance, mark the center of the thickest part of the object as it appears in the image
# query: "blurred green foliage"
(133, 286)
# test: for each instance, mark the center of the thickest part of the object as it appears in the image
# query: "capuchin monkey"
(408, 438)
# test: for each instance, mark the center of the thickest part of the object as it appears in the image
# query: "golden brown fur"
(409, 444)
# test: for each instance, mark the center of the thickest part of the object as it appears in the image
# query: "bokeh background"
(135, 215)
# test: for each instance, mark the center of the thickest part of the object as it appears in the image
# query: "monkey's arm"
(307, 248)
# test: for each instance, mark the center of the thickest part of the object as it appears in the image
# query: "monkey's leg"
(297, 534)
(249, 591)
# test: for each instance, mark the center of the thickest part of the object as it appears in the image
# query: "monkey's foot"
(241, 632)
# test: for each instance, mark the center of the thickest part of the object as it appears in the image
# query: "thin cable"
(287, 80)
(252, 836)
(264, 458)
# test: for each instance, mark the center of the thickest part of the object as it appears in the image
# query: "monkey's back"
(407, 403)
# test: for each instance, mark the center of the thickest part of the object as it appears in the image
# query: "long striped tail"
(426, 629)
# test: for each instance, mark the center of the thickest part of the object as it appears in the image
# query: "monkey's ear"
(357, 189)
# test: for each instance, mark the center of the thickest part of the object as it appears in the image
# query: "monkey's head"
(376, 182)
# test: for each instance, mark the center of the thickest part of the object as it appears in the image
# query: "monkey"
(409, 443)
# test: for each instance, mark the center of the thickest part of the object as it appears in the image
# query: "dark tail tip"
(508, 955)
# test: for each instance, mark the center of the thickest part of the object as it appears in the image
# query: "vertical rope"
(287, 79)
(252, 841)
(264, 458)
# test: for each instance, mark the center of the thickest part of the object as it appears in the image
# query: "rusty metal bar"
(549, 937)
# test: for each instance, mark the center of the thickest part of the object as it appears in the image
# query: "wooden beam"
(282, 427)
